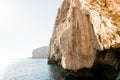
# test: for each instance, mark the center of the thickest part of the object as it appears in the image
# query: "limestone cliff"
(41, 52)
(82, 28)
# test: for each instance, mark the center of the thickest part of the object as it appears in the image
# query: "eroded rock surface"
(83, 27)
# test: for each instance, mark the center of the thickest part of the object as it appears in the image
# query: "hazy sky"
(25, 25)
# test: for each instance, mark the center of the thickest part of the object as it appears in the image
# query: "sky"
(25, 25)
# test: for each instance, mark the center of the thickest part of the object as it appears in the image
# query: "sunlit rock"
(83, 28)
(40, 52)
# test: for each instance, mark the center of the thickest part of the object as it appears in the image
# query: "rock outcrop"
(40, 52)
(83, 29)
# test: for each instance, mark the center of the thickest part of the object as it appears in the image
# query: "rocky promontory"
(41, 52)
(86, 36)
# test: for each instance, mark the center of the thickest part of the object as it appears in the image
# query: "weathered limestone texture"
(83, 27)
(105, 17)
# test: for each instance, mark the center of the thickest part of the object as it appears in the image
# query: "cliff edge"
(86, 32)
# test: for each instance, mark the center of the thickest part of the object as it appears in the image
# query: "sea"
(30, 69)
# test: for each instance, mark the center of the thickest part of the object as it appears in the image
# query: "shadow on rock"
(106, 67)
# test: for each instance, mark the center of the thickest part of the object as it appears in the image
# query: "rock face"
(83, 28)
(40, 52)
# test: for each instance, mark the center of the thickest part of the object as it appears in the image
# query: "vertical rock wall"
(82, 27)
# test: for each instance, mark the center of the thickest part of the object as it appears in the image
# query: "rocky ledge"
(86, 36)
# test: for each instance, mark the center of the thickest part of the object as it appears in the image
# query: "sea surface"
(31, 69)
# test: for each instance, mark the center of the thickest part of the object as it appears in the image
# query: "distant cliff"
(40, 52)
(86, 32)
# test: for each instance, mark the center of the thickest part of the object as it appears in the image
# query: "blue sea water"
(118, 78)
(31, 69)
